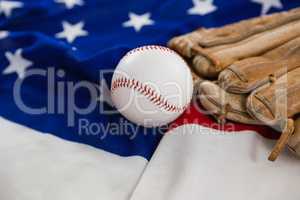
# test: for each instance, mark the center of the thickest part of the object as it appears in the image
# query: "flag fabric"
(62, 138)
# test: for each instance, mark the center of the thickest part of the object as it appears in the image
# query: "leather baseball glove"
(256, 65)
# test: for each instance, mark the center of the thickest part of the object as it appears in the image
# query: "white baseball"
(152, 86)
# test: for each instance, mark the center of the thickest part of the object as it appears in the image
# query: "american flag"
(56, 62)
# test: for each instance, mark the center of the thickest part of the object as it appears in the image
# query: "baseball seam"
(150, 47)
(148, 92)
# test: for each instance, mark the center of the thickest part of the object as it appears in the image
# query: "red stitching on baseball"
(148, 92)
(150, 47)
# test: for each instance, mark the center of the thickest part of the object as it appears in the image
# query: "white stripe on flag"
(193, 162)
(35, 166)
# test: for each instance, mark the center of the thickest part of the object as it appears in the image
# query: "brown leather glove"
(275, 104)
(257, 65)
(213, 50)
(224, 105)
(248, 74)
(294, 141)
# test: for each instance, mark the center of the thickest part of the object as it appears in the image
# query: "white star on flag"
(6, 7)
(17, 63)
(3, 34)
(268, 4)
(71, 32)
(71, 3)
(138, 21)
(202, 7)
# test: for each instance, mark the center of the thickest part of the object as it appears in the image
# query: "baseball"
(151, 86)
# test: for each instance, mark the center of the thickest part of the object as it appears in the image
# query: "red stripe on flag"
(194, 116)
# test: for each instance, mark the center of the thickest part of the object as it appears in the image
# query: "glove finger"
(215, 49)
(218, 102)
(248, 74)
(273, 103)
